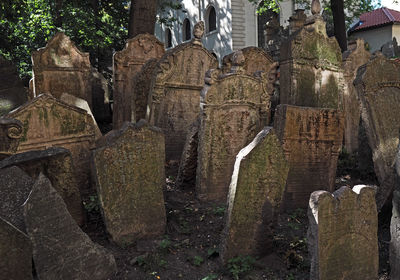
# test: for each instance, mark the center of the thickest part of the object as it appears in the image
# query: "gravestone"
(175, 94)
(48, 122)
(15, 253)
(312, 140)
(12, 91)
(61, 67)
(378, 86)
(310, 67)
(100, 97)
(234, 108)
(10, 135)
(61, 250)
(355, 56)
(394, 247)
(255, 194)
(130, 174)
(126, 64)
(56, 163)
(15, 186)
(343, 234)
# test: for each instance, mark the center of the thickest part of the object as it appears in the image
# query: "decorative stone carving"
(10, 135)
(126, 64)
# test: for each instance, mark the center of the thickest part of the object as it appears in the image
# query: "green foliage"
(93, 204)
(210, 277)
(165, 244)
(219, 210)
(240, 265)
(166, 11)
(197, 260)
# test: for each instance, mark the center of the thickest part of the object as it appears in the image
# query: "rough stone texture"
(10, 135)
(343, 234)
(12, 91)
(391, 49)
(61, 67)
(355, 56)
(394, 248)
(255, 195)
(56, 163)
(15, 253)
(175, 94)
(312, 140)
(15, 186)
(130, 175)
(310, 68)
(378, 86)
(127, 63)
(100, 96)
(49, 122)
(234, 108)
(61, 250)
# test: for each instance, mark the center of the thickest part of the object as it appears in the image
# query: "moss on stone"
(329, 94)
(306, 89)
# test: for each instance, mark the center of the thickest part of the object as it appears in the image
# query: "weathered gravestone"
(130, 175)
(56, 163)
(15, 253)
(234, 108)
(175, 94)
(343, 234)
(312, 140)
(310, 67)
(10, 135)
(355, 56)
(100, 97)
(49, 122)
(255, 194)
(12, 91)
(394, 248)
(378, 87)
(61, 250)
(127, 63)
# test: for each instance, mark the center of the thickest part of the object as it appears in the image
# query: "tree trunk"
(142, 17)
(339, 23)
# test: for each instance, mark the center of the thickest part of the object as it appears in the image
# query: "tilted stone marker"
(15, 253)
(10, 135)
(57, 164)
(126, 64)
(343, 234)
(378, 86)
(100, 97)
(394, 247)
(130, 174)
(255, 195)
(61, 250)
(312, 140)
(48, 122)
(175, 96)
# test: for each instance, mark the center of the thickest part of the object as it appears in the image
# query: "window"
(211, 20)
(186, 30)
(168, 38)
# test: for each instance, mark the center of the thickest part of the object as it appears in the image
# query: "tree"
(142, 17)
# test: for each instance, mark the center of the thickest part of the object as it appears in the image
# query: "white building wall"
(396, 32)
(375, 37)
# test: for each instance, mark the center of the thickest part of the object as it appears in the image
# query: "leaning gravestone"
(343, 234)
(12, 91)
(127, 63)
(57, 164)
(378, 86)
(61, 250)
(10, 135)
(255, 194)
(100, 97)
(234, 108)
(48, 122)
(130, 175)
(15, 253)
(312, 140)
(355, 56)
(175, 96)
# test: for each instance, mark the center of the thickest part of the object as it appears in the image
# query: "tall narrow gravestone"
(378, 86)
(311, 139)
(343, 234)
(126, 64)
(255, 194)
(175, 96)
(130, 175)
(394, 248)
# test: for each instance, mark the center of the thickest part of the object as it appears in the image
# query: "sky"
(390, 4)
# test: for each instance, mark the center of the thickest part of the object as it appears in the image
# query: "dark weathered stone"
(255, 195)
(56, 163)
(15, 186)
(61, 250)
(100, 97)
(312, 139)
(15, 253)
(343, 234)
(10, 135)
(394, 248)
(130, 174)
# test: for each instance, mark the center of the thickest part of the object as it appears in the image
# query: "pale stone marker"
(61, 250)
(10, 135)
(343, 234)
(394, 248)
(130, 174)
(255, 195)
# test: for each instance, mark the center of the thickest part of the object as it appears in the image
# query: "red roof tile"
(378, 17)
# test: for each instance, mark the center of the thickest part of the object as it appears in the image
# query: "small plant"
(240, 265)
(219, 211)
(290, 277)
(163, 263)
(210, 277)
(212, 252)
(93, 204)
(197, 260)
(165, 244)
